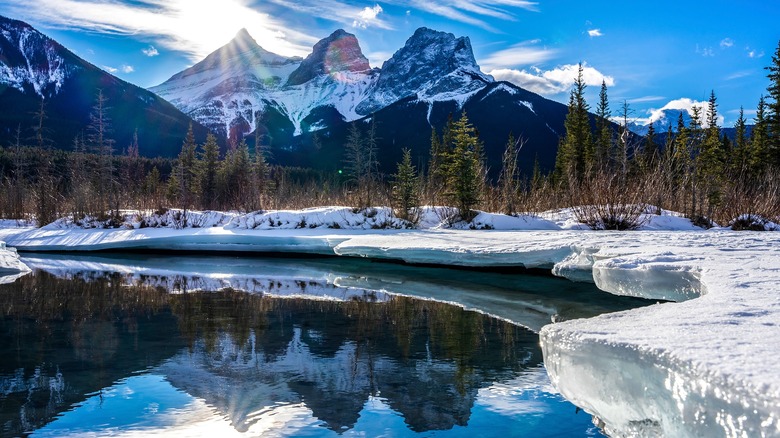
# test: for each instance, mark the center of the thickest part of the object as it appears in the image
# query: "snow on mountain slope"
(29, 58)
(433, 65)
(241, 81)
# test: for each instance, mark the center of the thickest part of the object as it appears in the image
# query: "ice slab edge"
(634, 392)
(11, 267)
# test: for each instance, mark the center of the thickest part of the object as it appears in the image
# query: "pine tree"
(209, 167)
(406, 187)
(759, 141)
(709, 161)
(603, 142)
(102, 144)
(741, 153)
(464, 170)
(576, 148)
(773, 110)
(187, 173)
(650, 154)
(508, 182)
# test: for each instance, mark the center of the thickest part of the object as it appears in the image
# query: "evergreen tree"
(576, 148)
(773, 110)
(759, 141)
(464, 170)
(406, 188)
(101, 143)
(508, 182)
(603, 143)
(208, 174)
(187, 172)
(709, 162)
(741, 153)
(650, 154)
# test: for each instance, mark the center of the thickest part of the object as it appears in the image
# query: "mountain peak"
(339, 52)
(243, 36)
(431, 63)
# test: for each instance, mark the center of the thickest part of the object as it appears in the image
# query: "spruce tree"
(187, 172)
(773, 109)
(741, 153)
(709, 162)
(650, 154)
(576, 148)
(603, 142)
(759, 141)
(464, 172)
(209, 166)
(509, 185)
(406, 188)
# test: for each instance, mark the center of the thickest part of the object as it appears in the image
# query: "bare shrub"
(605, 201)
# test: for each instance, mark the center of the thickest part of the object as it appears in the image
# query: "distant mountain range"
(33, 67)
(302, 108)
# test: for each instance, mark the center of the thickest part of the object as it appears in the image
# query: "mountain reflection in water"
(74, 350)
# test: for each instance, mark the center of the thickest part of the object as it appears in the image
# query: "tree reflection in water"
(66, 339)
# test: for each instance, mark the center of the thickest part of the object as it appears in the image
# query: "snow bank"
(11, 267)
(703, 367)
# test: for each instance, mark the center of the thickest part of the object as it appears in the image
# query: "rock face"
(35, 68)
(433, 65)
(340, 52)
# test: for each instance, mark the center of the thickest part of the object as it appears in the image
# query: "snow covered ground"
(11, 267)
(704, 366)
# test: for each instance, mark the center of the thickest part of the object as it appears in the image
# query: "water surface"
(200, 346)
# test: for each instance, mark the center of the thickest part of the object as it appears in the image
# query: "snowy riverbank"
(702, 367)
(11, 267)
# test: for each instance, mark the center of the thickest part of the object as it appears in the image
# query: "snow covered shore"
(11, 267)
(705, 366)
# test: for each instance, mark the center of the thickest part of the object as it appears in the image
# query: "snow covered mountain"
(241, 81)
(33, 67)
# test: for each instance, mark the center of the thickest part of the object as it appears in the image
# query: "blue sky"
(652, 54)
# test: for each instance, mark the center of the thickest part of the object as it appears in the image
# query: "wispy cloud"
(739, 75)
(193, 27)
(524, 53)
(150, 51)
(707, 52)
(645, 99)
(595, 33)
(552, 82)
(346, 13)
(127, 68)
(473, 11)
(726, 43)
(110, 69)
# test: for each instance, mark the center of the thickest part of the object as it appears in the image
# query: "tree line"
(609, 175)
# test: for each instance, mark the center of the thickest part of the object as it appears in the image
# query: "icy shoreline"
(11, 267)
(704, 366)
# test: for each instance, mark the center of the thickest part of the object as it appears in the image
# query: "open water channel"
(139, 345)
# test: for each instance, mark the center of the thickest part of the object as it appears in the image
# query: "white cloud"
(525, 53)
(595, 33)
(684, 104)
(726, 43)
(472, 11)
(551, 82)
(150, 51)
(127, 68)
(194, 27)
(367, 17)
(110, 69)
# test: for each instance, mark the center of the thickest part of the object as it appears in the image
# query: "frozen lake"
(110, 345)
